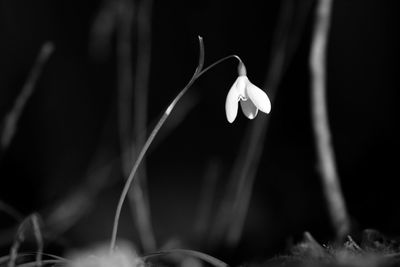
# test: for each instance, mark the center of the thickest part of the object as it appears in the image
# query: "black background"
(73, 111)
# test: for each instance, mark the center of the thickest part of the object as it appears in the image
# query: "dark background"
(73, 112)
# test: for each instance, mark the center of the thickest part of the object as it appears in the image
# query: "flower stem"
(198, 72)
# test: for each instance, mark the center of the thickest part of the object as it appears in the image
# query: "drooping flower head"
(251, 97)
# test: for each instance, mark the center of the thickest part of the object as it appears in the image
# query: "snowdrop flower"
(251, 97)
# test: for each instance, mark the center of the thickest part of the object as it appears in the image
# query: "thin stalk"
(124, 72)
(12, 212)
(246, 164)
(39, 239)
(247, 176)
(141, 86)
(66, 213)
(233, 209)
(20, 237)
(12, 118)
(325, 153)
(199, 72)
(139, 209)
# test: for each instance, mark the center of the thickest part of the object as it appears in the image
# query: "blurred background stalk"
(234, 207)
(133, 99)
(325, 152)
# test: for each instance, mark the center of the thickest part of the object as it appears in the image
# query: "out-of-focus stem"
(233, 209)
(11, 119)
(13, 213)
(326, 157)
(142, 70)
(125, 87)
(252, 148)
(67, 212)
(124, 77)
(140, 211)
(34, 220)
(39, 239)
(141, 87)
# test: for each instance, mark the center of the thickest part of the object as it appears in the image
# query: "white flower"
(250, 96)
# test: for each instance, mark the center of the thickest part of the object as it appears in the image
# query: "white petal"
(249, 109)
(259, 97)
(240, 84)
(231, 103)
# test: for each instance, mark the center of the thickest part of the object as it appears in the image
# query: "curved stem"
(325, 152)
(217, 62)
(199, 72)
